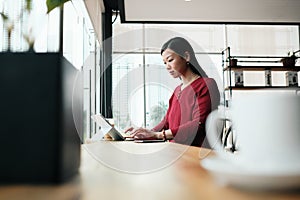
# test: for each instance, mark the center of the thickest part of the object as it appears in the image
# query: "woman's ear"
(187, 56)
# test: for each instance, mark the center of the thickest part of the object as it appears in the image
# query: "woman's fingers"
(143, 133)
(128, 129)
(139, 132)
(139, 136)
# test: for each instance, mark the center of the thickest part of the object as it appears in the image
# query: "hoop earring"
(188, 63)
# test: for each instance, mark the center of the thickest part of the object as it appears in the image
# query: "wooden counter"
(180, 178)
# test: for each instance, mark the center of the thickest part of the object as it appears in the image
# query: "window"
(36, 26)
(138, 68)
(80, 45)
(141, 86)
(82, 49)
(259, 40)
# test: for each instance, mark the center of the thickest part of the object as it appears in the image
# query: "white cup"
(267, 127)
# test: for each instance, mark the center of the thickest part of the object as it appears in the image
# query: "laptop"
(107, 128)
(116, 135)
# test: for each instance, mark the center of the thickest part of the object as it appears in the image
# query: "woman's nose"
(168, 66)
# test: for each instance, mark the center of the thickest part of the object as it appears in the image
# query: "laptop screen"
(101, 121)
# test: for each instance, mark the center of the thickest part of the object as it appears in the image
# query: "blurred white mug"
(268, 132)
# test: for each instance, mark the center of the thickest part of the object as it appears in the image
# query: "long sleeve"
(188, 110)
(164, 122)
(192, 128)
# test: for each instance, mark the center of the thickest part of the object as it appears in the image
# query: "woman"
(191, 101)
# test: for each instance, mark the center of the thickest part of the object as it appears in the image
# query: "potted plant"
(40, 142)
(290, 60)
(51, 4)
(10, 23)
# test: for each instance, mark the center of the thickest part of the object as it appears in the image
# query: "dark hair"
(180, 45)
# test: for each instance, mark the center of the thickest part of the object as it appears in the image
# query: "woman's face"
(175, 64)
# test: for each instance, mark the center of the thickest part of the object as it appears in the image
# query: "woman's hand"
(129, 129)
(142, 133)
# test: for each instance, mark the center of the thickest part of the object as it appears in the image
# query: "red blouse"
(188, 110)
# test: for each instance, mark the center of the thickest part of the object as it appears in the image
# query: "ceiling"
(212, 11)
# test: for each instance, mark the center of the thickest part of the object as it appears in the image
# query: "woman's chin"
(175, 75)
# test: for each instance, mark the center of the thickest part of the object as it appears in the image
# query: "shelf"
(234, 67)
(260, 68)
(262, 87)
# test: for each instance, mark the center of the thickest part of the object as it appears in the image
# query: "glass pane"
(128, 93)
(262, 40)
(35, 28)
(208, 42)
(127, 37)
(204, 38)
(79, 38)
(159, 88)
